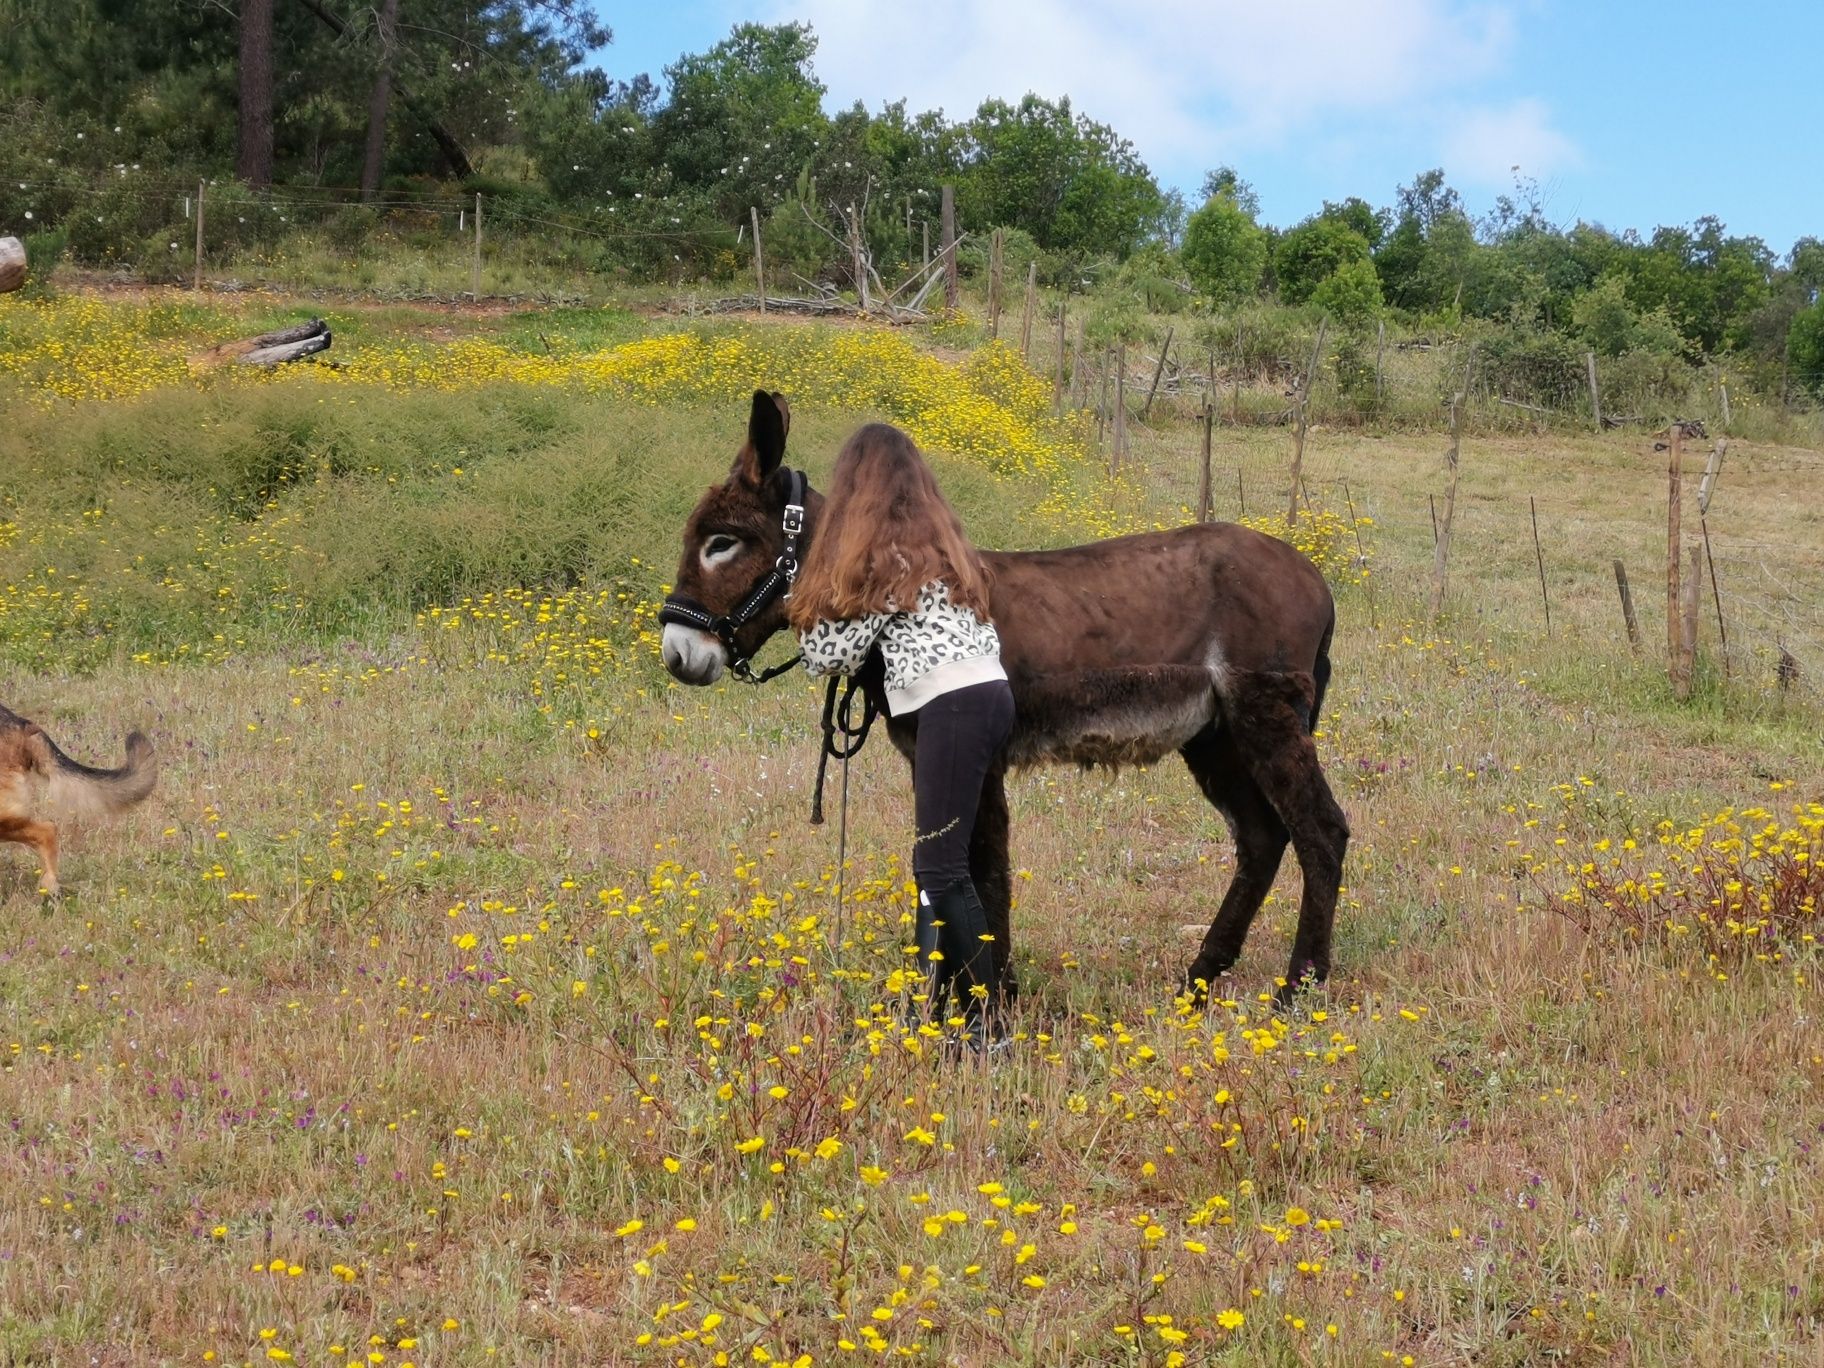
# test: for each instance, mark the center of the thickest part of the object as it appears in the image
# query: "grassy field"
(469, 993)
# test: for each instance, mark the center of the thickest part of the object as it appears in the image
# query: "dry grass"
(261, 1080)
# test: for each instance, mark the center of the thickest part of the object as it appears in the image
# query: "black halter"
(777, 582)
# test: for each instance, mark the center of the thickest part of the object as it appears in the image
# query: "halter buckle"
(794, 519)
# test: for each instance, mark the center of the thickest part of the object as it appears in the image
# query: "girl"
(890, 568)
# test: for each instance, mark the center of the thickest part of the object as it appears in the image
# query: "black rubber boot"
(928, 938)
(970, 961)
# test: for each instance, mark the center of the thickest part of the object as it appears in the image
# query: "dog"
(37, 780)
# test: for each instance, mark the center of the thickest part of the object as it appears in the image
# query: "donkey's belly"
(1129, 716)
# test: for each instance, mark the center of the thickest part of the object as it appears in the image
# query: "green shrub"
(1224, 250)
(1533, 366)
(1018, 251)
(1313, 252)
(1353, 362)
(1156, 274)
(1610, 325)
(1116, 315)
(1805, 343)
(1352, 295)
(1261, 338)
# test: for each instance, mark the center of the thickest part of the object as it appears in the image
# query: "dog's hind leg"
(1260, 844)
(42, 838)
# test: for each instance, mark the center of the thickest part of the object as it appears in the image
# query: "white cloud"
(1486, 145)
(1196, 84)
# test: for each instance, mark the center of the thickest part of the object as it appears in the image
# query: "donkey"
(1211, 640)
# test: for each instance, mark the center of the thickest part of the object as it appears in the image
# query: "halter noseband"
(777, 582)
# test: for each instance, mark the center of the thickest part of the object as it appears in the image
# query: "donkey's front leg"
(992, 875)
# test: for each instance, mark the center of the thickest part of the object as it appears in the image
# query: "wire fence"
(1141, 399)
(401, 242)
(1761, 600)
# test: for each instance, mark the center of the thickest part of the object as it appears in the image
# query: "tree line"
(389, 101)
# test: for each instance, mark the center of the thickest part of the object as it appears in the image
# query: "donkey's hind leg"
(1260, 844)
(1268, 714)
(992, 875)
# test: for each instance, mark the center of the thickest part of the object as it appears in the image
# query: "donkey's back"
(1120, 651)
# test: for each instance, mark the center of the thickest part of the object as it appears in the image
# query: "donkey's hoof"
(1291, 995)
(1202, 985)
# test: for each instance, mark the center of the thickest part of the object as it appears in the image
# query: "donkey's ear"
(766, 429)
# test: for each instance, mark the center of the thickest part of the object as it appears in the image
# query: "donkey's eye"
(719, 548)
(717, 545)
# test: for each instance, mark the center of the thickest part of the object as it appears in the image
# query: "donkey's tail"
(84, 791)
(1320, 672)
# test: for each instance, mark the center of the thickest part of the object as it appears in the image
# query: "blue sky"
(1629, 113)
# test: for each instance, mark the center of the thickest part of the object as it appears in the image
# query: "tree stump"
(12, 264)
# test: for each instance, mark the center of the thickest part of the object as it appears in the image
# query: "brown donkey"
(1209, 640)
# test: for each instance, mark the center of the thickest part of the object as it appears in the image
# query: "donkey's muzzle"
(692, 655)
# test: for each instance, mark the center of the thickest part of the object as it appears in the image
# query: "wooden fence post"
(1691, 592)
(1304, 419)
(1787, 671)
(1627, 605)
(1722, 389)
(925, 225)
(1077, 396)
(1380, 349)
(1057, 379)
(1675, 651)
(1120, 446)
(475, 271)
(1712, 468)
(1026, 313)
(947, 229)
(1235, 398)
(1589, 361)
(1108, 376)
(1539, 552)
(1705, 488)
(1440, 566)
(1716, 595)
(197, 283)
(1361, 557)
(759, 258)
(994, 283)
(1158, 371)
(1203, 485)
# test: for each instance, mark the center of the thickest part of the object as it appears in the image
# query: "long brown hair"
(886, 531)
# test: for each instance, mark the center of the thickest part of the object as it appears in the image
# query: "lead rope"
(837, 717)
(842, 855)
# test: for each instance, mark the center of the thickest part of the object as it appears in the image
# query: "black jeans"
(959, 735)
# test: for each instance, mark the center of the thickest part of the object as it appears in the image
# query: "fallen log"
(269, 349)
(774, 304)
(1530, 408)
(12, 264)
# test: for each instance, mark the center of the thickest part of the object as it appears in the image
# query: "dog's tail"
(84, 791)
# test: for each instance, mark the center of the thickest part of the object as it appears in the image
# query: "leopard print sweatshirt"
(932, 649)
